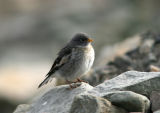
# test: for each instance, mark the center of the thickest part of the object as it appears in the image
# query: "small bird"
(73, 61)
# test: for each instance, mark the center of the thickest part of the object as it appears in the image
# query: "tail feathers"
(46, 80)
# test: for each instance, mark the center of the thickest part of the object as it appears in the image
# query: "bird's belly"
(83, 68)
(78, 70)
(84, 65)
(87, 64)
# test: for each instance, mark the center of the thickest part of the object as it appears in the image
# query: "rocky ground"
(113, 88)
(131, 91)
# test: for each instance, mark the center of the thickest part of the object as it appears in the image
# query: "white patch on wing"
(63, 60)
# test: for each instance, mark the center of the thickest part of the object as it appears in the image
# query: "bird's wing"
(63, 57)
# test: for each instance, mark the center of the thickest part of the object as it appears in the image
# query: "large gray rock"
(140, 82)
(92, 104)
(130, 101)
(57, 100)
(63, 100)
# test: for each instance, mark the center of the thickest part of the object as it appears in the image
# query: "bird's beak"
(90, 40)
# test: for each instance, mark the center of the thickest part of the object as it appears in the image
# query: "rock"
(92, 104)
(155, 100)
(140, 82)
(62, 100)
(130, 101)
(23, 108)
(56, 100)
(154, 68)
(158, 111)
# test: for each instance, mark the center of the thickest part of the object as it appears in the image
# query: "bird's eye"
(82, 40)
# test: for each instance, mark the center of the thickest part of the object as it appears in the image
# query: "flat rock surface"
(140, 82)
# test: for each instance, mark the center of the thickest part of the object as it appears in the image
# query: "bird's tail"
(46, 80)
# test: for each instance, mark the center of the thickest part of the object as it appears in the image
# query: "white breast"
(88, 60)
(90, 57)
(84, 58)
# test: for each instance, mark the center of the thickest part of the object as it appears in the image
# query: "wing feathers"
(63, 57)
(58, 63)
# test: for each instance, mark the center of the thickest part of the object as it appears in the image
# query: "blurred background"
(33, 31)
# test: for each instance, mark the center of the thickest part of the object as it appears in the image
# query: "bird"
(73, 61)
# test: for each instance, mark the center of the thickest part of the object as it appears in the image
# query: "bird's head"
(80, 40)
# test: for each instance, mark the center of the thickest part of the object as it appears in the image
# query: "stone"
(130, 101)
(155, 100)
(56, 100)
(154, 68)
(139, 82)
(23, 108)
(92, 104)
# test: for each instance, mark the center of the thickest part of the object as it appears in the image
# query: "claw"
(72, 87)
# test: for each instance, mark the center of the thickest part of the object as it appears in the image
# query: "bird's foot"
(72, 86)
(79, 80)
(75, 84)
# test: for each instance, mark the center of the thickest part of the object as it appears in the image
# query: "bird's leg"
(79, 80)
(75, 85)
(72, 86)
(76, 81)
(68, 82)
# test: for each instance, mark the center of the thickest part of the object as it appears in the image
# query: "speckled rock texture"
(140, 82)
(155, 100)
(56, 100)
